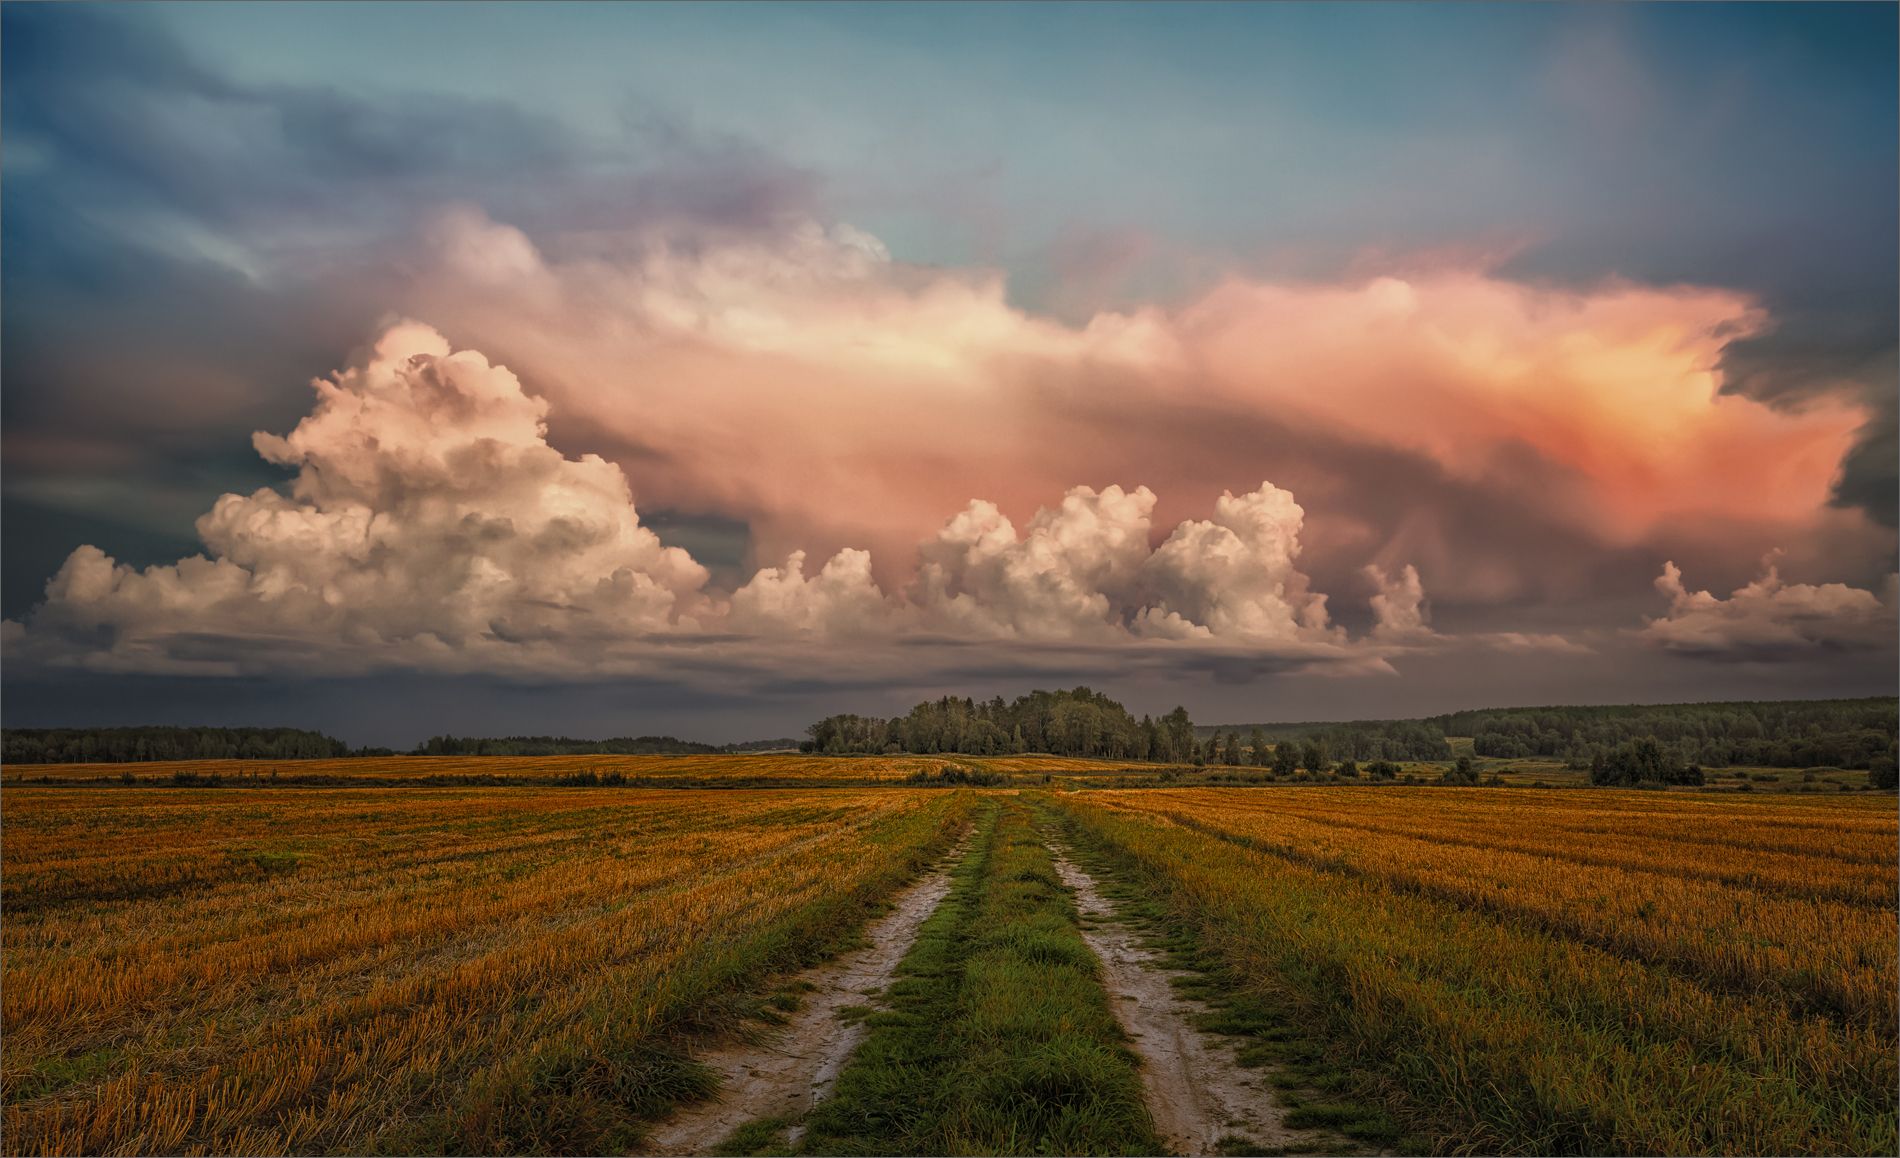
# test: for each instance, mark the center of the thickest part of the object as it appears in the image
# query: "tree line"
(126, 745)
(1778, 734)
(1357, 740)
(135, 745)
(564, 746)
(1078, 722)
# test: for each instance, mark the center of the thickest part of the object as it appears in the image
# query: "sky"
(705, 369)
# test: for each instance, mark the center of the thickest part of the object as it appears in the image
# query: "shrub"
(1881, 773)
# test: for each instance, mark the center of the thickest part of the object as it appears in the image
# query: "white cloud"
(1233, 577)
(1769, 617)
(841, 601)
(428, 516)
(1069, 576)
(1398, 610)
(1521, 641)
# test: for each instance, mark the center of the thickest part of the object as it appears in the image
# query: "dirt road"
(796, 1066)
(1197, 1093)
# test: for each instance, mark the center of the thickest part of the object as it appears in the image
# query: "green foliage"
(1063, 723)
(1881, 773)
(1787, 734)
(955, 776)
(563, 746)
(1463, 772)
(125, 745)
(1358, 740)
(1642, 761)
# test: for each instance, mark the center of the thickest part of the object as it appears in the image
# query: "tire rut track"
(795, 1066)
(1198, 1092)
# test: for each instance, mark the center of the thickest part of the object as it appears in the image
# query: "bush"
(1462, 774)
(1881, 773)
(951, 775)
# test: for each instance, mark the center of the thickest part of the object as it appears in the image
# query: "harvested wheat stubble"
(1198, 1092)
(795, 1066)
(452, 970)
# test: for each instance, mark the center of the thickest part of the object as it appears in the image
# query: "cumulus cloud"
(1769, 618)
(1070, 574)
(430, 524)
(1447, 418)
(842, 600)
(428, 515)
(1534, 641)
(1398, 610)
(1085, 570)
(1233, 576)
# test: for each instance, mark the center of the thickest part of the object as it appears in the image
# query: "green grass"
(997, 1037)
(56, 1073)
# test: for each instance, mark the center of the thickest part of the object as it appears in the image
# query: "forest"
(564, 746)
(121, 745)
(1780, 734)
(1080, 722)
(128, 745)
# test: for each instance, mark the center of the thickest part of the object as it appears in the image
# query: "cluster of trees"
(1285, 758)
(1787, 734)
(1360, 740)
(1641, 761)
(1080, 722)
(562, 746)
(125, 745)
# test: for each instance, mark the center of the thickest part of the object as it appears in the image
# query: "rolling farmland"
(401, 962)
(1553, 973)
(347, 970)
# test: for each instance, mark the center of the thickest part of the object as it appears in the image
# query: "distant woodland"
(127, 745)
(121, 745)
(563, 746)
(1785, 734)
(1062, 723)
(1774, 734)
(1633, 743)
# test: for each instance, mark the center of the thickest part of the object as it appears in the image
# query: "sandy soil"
(796, 1066)
(1197, 1092)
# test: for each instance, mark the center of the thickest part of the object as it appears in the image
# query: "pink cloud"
(831, 397)
(1769, 618)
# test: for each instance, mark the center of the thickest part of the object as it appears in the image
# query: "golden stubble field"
(1556, 972)
(374, 969)
(405, 966)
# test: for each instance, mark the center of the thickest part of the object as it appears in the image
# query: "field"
(350, 970)
(1554, 972)
(744, 770)
(407, 963)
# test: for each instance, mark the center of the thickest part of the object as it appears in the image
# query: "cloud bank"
(431, 525)
(1769, 618)
(1504, 436)
(840, 404)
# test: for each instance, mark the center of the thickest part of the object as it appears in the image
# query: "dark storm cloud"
(184, 252)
